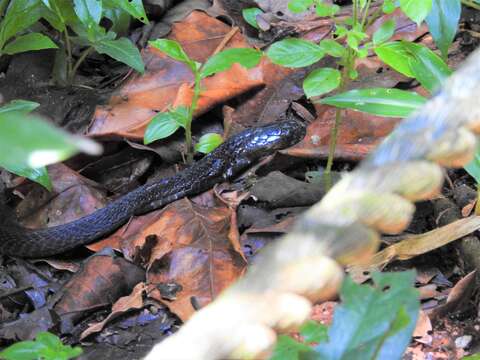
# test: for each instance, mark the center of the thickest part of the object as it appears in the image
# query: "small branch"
(82, 57)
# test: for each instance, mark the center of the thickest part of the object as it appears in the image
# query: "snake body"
(226, 161)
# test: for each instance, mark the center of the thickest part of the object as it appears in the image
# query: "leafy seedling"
(166, 123)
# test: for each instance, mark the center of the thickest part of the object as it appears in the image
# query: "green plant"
(46, 346)
(372, 322)
(352, 42)
(16, 19)
(166, 123)
(28, 143)
(79, 23)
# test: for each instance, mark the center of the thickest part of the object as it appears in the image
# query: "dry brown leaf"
(101, 281)
(416, 245)
(358, 134)
(72, 197)
(122, 305)
(166, 82)
(423, 329)
(458, 295)
(194, 251)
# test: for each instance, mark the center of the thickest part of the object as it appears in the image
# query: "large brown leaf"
(129, 112)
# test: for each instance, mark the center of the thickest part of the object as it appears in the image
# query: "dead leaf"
(121, 306)
(416, 245)
(100, 282)
(423, 329)
(194, 251)
(358, 135)
(73, 196)
(459, 295)
(167, 82)
(282, 86)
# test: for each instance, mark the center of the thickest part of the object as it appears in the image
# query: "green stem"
(83, 56)
(471, 4)
(193, 106)
(327, 176)
(355, 11)
(68, 48)
(365, 14)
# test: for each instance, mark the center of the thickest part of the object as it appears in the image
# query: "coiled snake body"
(223, 163)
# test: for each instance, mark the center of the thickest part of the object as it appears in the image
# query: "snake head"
(265, 140)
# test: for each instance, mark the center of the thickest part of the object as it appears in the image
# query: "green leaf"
(222, 61)
(89, 12)
(39, 175)
(20, 15)
(428, 68)
(299, 6)
(208, 142)
(416, 10)
(373, 322)
(388, 6)
(295, 53)
(59, 13)
(378, 101)
(288, 348)
(29, 42)
(21, 106)
(313, 331)
(174, 50)
(396, 56)
(133, 7)
(323, 9)
(332, 48)
(443, 23)
(181, 115)
(24, 350)
(122, 50)
(26, 140)
(46, 346)
(161, 126)
(384, 32)
(120, 19)
(250, 16)
(321, 81)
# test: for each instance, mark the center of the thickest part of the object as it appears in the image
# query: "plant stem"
(471, 4)
(68, 48)
(355, 11)
(365, 14)
(73, 72)
(327, 175)
(188, 128)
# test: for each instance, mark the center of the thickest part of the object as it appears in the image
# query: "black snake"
(226, 161)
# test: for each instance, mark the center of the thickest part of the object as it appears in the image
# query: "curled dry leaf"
(459, 295)
(166, 82)
(416, 245)
(121, 306)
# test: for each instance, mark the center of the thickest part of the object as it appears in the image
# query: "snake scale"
(226, 161)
